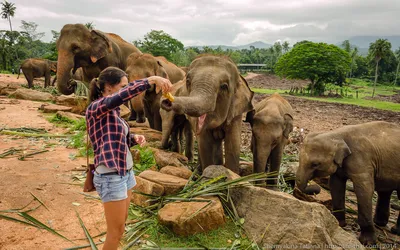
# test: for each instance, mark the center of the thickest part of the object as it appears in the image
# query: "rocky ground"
(48, 175)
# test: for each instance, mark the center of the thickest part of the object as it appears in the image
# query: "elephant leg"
(176, 147)
(338, 193)
(232, 144)
(275, 164)
(54, 80)
(396, 229)
(157, 121)
(29, 79)
(364, 193)
(189, 147)
(47, 78)
(207, 145)
(382, 210)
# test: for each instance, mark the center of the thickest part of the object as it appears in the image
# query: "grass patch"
(359, 102)
(268, 91)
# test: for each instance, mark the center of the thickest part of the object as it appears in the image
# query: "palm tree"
(378, 50)
(353, 56)
(285, 46)
(397, 54)
(8, 11)
(89, 25)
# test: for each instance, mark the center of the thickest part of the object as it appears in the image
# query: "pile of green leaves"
(147, 159)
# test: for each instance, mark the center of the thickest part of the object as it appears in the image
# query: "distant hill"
(258, 44)
(364, 41)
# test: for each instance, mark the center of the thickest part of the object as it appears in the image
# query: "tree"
(397, 54)
(29, 30)
(285, 46)
(378, 50)
(159, 43)
(318, 62)
(90, 25)
(8, 11)
(346, 46)
(353, 56)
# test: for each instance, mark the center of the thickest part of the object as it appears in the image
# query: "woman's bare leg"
(128, 202)
(116, 212)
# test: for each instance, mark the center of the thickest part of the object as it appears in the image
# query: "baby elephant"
(271, 122)
(368, 155)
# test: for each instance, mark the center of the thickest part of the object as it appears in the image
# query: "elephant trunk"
(167, 123)
(64, 65)
(302, 178)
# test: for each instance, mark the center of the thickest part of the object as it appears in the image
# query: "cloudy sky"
(227, 22)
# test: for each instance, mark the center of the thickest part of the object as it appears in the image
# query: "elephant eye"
(75, 48)
(224, 86)
(314, 165)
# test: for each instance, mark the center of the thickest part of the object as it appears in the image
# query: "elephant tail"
(19, 72)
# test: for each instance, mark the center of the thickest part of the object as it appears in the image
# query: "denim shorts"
(113, 187)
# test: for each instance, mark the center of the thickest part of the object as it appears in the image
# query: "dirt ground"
(48, 175)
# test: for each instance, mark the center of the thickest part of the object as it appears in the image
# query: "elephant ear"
(101, 45)
(342, 151)
(288, 125)
(242, 100)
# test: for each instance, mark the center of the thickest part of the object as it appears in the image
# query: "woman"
(110, 138)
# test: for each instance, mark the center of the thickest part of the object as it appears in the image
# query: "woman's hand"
(161, 83)
(140, 139)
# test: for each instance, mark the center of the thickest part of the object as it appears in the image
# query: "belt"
(111, 173)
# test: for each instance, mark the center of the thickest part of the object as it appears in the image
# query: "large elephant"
(148, 103)
(271, 122)
(36, 67)
(368, 155)
(217, 96)
(91, 50)
(178, 126)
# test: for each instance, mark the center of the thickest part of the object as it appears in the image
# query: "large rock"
(6, 89)
(69, 115)
(164, 158)
(70, 100)
(214, 171)
(53, 108)
(187, 218)
(151, 135)
(33, 95)
(177, 171)
(146, 187)
(245, 168)
(171, 184)
(283, 220)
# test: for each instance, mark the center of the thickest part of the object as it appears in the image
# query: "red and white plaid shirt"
(106, 131)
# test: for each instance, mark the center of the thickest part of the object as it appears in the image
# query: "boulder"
(70, 100)
(214, 171)
(33, 95)
(69, 115)
(278, 219)
(181, 172)
(53, 108)
(146, 187)
(164, 158)
(151, 135)
(188, 218)
(171, 184)
(6, 89)
(245, 168)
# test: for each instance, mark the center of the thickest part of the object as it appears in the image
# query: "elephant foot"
(380, 221)
(395, 230)
(367, 236)
(312, 190)
(341, 217)
(141, 120)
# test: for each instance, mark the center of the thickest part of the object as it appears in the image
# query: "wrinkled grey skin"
(215, 89)
(271, 122)
(148, 104)
(368, 155)
(35, 67)
(92, 50)
(178, 126)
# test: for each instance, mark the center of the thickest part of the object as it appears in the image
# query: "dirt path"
(43, 175)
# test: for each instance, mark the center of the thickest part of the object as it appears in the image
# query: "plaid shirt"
(106, 131)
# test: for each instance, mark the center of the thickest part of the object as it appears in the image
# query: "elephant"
(178, 126)
(92, 50)
(148, 104)
(36, 67)
(271, 122)
(217, 97)
(367, 154)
